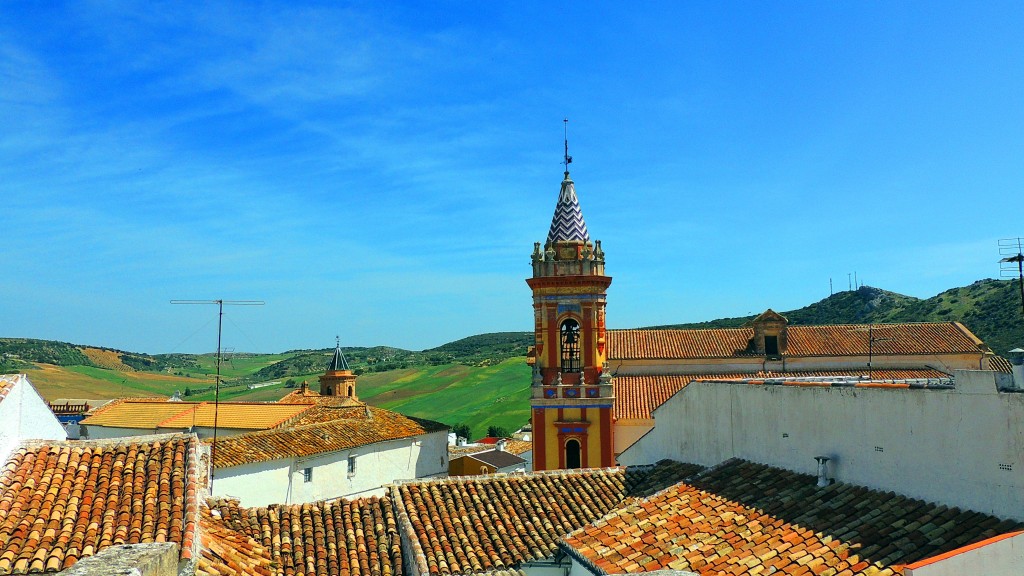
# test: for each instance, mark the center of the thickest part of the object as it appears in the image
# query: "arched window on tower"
(572, 454)
(570, 346)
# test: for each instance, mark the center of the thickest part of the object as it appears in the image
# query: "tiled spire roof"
(567, 223)
(338, 362)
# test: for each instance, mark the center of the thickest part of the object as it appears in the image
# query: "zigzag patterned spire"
(567, 223)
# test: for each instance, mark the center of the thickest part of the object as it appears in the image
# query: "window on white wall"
(307, 475)
(351, 464)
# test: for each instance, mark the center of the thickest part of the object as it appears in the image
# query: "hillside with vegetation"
(989, 308)
(480, 381)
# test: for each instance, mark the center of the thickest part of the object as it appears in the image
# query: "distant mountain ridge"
(989, 308)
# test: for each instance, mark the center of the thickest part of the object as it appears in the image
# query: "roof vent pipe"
(1016, 357)
(823, 479)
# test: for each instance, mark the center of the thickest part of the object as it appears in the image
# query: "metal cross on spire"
(568, 159)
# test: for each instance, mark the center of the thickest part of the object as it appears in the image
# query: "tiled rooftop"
(638, 396)
(228, 552)
(341, 537)
(349, 428)
(517, 447)
(746, 518)
(153, 413)
(7, 382)
(63, 501)
(480, 524)
(831, 340)
(998, 364)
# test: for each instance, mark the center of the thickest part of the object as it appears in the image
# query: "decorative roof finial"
(568, 159)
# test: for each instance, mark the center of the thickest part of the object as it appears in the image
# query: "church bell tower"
(572, 395)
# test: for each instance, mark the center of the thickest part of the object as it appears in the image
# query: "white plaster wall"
(95, 432)
(282, 481)
(24, 415)
(1002, 558)
(947, 446)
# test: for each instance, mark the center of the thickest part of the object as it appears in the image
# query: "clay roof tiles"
(350, 427)
(638, 396)
(517, 447)
(340, 537)
(7, 382)
(482, 524)
(63, 501)
(829, 340)
(153, 413)
(747, 518)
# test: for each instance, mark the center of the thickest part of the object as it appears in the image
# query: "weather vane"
(568, 159)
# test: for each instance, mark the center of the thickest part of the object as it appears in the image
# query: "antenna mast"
(216, 395)
(1011, 251)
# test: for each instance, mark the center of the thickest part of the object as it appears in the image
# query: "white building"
(354, 453)
(957, 441)
(24, 415)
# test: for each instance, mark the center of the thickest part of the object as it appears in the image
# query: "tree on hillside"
(462, 430)
(497, 432)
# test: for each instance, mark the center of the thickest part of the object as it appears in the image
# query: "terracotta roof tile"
(243, 416)
(998, 364)
(152, 413)
(350, 427)
(746, 518)
(228, 552)
(477, 524)
(517, 447)
(62, 501)
(341, 537)
(831, 340)
(7, 382)
(636, 397)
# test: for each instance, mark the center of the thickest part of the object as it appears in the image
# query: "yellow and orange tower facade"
(572, 397)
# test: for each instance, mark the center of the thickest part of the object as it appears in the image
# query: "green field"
(54, 382)
(479, 397)
(451, 393)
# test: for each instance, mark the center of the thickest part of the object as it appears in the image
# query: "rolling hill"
(990, 308)
(480, 380)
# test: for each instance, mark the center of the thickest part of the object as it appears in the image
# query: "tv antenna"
(1013, 257)
(216, 395)
(871, 343)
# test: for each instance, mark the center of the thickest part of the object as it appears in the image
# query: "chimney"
(823, 479)
(500, 444)
(1016, 357)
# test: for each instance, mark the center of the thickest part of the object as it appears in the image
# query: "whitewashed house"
(353, 451)
(24, 415)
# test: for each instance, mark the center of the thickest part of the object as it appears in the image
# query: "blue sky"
(380, 171)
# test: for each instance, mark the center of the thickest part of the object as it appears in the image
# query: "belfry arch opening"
(572, 454)
(570, 345)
